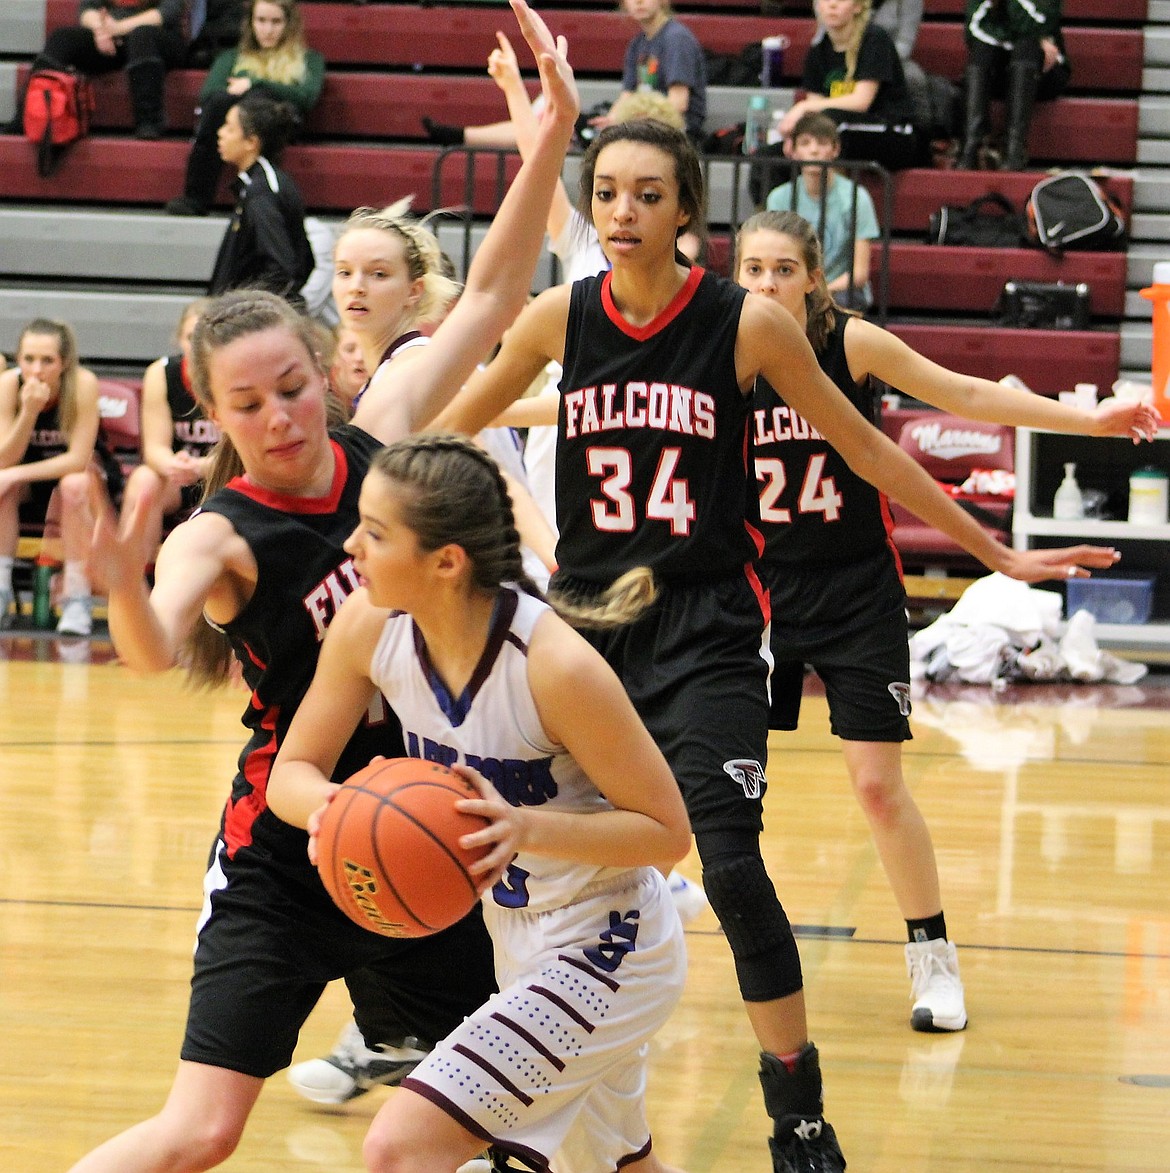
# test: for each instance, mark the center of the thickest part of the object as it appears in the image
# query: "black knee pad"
(766, 959)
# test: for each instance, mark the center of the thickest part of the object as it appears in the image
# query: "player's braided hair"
(819, 307)
(207, 653)
(627, 598)
(457, 495)
(424, 257)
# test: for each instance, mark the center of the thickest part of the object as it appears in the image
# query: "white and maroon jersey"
(813, 507)
(495, 728)
(652, 462)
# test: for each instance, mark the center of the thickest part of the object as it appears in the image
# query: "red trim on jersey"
(672, 311)
(763, 595)
(756, 536)
(888, 523)
(289, 503)
(243, 812)
(185, 376)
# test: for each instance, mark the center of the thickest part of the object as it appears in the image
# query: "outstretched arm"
(500, 277)
(199, 561)
(874, 351)
(771, 344)
(537, 336)
(505, 72)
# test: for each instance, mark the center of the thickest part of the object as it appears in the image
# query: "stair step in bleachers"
(1113, 11)
(923, 276)
(918, 192)
(1079, 129)
(1047, 360)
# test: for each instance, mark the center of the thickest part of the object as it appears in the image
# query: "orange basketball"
(388, 849)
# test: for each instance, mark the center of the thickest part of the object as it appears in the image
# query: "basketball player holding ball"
(589, 948)
(264, 562)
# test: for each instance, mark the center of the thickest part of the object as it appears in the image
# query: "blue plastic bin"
(1111, 599)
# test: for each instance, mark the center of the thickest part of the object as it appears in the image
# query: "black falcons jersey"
(193, 432)
(651, 463)
(304, 577)
(813, 507)
(46, 439)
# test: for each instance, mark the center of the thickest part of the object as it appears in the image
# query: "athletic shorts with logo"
(849, 623)
(552, 1069)
(696, 668)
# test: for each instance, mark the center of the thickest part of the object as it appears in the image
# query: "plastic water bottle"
(1068, 505)
(42, 603)
(1159, 294)
(759, 122)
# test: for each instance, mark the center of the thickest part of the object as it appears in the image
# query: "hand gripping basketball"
(388, 848)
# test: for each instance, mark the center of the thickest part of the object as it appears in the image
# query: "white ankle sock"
(75, 582)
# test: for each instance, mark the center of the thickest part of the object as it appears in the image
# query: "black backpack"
(991, 221)
(744, 68)
(1071, 211)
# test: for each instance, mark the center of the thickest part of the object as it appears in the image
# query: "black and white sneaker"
(352, 1068)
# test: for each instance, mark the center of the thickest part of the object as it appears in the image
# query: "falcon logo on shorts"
(749, 774)
(901, 693)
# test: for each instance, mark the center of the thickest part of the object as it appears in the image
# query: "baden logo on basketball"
(364, 888)
(389, 848)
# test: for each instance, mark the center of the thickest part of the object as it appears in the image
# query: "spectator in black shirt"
(265, 246)
(854, 74)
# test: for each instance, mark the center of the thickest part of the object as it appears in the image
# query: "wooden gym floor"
(1050, 810)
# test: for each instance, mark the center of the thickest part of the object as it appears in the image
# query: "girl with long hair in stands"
(271, 58)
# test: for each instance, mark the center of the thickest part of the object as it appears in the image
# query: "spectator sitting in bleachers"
(143, 37)
(901, 19)
(1015, 48)
(48, 437)
(271, 58)
(176, 437)
(854, 74)
(663, 57)
(846, 235)
(265, 245)
(217, 30)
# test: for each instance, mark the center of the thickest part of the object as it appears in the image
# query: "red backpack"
(57, 107)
